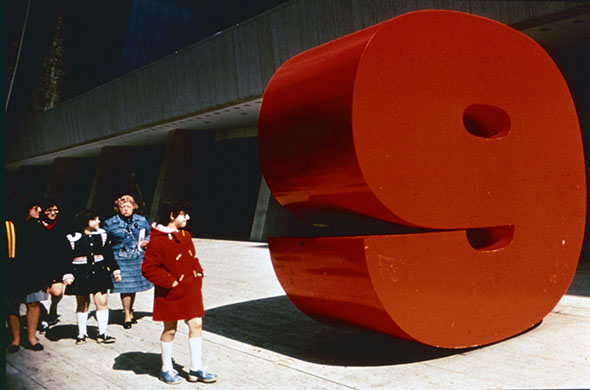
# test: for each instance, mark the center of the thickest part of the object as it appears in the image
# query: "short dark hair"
(174, 206)
(48, 202)
(25, 203)
(83, 216)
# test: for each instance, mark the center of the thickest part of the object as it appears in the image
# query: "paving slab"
(254, 338)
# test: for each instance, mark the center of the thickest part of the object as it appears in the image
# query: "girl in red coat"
(170, 264)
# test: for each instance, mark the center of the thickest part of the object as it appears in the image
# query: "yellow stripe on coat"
(11, 237)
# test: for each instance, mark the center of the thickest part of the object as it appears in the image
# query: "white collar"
(98, 231)
(162, 228)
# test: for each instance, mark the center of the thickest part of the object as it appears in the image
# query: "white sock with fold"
(166, 347)
(46, 304)
(102, 316)
(196, 350)
(82, 319)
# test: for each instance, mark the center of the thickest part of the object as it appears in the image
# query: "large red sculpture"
(438, 120)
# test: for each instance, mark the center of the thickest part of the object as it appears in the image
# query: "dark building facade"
(161, 98)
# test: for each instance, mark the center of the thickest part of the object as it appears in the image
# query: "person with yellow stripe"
(25, 280)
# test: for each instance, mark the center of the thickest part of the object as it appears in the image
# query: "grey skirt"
(132, 279)
(36, 296)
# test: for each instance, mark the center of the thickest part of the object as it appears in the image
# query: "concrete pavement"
(254, 338)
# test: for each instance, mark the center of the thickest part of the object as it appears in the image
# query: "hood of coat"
(159, 230)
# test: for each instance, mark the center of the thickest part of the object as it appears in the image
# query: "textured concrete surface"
(235, 66)
(255, 338)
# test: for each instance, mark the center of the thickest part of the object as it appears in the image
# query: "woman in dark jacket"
(55, 231)
(26, 274)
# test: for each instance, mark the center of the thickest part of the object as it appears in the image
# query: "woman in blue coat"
(129, 234)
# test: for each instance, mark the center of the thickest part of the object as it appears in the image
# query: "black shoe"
(133, 320)
(52, 320)
(81, 339)
(105, 338)
(127, 324)
(36, 347)
(13, 348)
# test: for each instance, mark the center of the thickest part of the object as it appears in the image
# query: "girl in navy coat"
(89, 272)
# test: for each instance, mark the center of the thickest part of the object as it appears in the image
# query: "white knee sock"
(102, 316)
(166, 347)
(82, 319)
(45, 303)
(196, 350)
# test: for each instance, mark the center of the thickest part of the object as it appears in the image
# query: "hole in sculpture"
(490, 238)
(485, 121)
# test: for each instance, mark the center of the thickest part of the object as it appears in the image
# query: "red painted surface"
(439, 120)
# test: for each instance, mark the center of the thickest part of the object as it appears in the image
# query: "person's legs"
(195, 342)
(102, 317)
(33, 311)
(82, 304)
(56, 292)
(44, 313)
(168, 374)
(127, 300)
(195, 327)
(14, 326)
(13, 320)
(166, 343)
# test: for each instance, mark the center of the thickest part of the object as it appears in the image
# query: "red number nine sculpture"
(437, 120)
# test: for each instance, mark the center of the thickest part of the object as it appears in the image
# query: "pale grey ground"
(256, 339)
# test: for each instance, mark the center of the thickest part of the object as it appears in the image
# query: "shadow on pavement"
(276, 324)
(60, 332)
(116, 316)
(144, 363)
(581, 283)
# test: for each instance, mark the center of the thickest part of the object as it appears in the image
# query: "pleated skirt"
(132, 278)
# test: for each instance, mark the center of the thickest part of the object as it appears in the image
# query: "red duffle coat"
(170, 256)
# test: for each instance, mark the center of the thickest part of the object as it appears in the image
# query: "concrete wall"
(28, 182)
(123, 170)
(232, 67)
(220, 175)
(70, 183)
(574, 61)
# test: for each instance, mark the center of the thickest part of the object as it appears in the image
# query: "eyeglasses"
(52, 211)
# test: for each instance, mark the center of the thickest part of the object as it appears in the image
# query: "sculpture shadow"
(580, 285)
(277, 325)
(144, 363)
